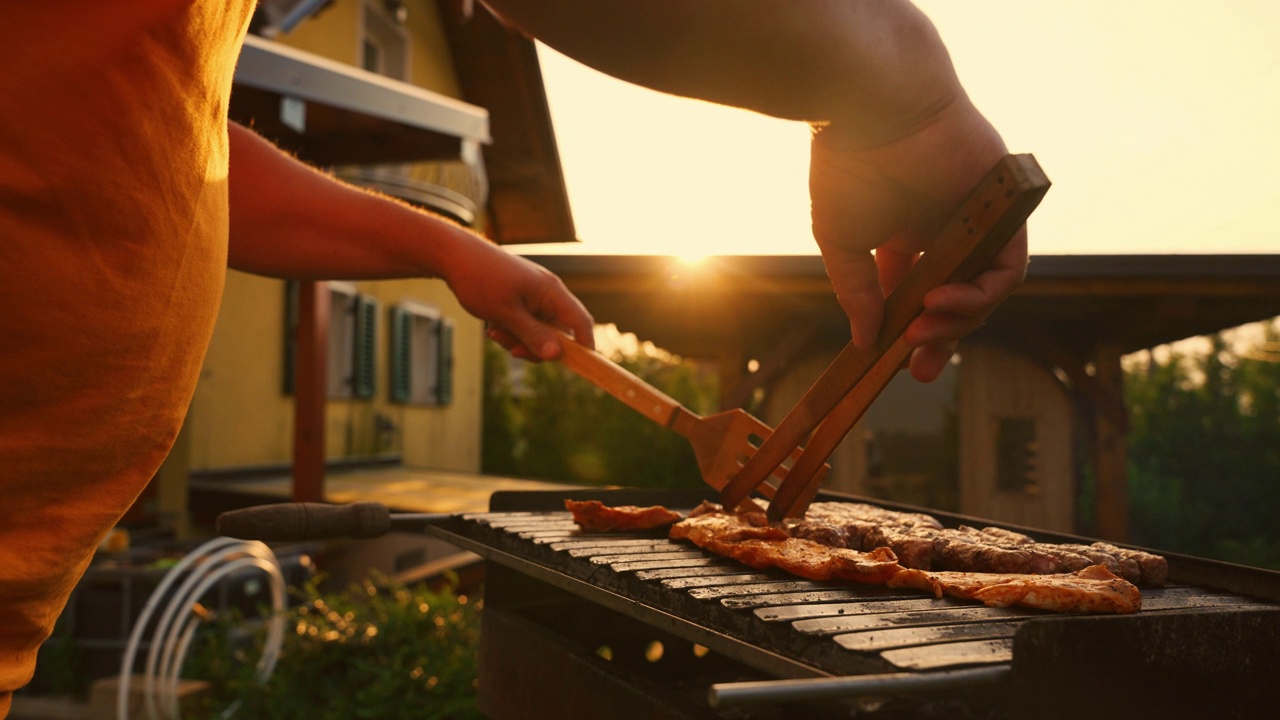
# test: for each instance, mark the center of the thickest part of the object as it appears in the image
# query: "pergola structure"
(1080, 314)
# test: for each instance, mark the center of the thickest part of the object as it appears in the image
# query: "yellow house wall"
(336, 31)
(331, 34)
(241, 417)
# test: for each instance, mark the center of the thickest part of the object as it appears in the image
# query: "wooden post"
(794, 344)
(311, 391)
(731, 362)
(1111, 452)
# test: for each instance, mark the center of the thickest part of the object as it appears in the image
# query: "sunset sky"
(1158, 123)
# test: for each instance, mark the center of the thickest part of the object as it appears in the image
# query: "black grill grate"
(777, 623)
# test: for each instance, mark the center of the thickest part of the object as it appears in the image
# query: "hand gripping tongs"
(985, 223)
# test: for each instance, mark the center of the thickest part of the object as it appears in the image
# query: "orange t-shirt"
(113, 233)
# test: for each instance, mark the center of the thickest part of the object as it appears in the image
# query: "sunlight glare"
(691, 261)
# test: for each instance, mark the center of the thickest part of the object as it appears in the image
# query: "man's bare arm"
(866, 62)
(289, 220)
(897, 145)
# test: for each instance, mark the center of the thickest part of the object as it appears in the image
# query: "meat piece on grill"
(1093, 589)
(1009, 537)
(1030, 579)
(822, 533)
(770, 546)
(595, 516)
(914, 546)
(1153, 569)
(846, 512)
(921, 543)
(969, 550)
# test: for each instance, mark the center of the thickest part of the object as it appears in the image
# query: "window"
(384, 48)
(1017, 455)
(353, 330)
(353, 334)
(421, 355)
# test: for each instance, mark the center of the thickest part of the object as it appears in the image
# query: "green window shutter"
(364, 373)
(444, 366)
(401, 356)
(290, 335)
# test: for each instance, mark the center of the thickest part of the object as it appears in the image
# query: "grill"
(639, 626)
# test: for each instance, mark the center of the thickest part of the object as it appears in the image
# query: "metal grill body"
(598, 603)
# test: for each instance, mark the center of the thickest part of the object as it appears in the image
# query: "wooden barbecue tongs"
(985, 223)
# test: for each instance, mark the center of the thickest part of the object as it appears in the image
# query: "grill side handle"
(296, 522)
(724, 696)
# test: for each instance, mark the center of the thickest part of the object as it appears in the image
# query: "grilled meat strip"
(595, 516)
(1092, 589)
(754, 542)
(750, 539)
(917, 541)
(920, 542)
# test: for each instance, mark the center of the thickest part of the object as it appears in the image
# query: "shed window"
(1017, 455)
(421, 355)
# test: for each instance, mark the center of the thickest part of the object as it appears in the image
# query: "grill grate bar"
(877, 640)
(694, 562)
(547, 535)
(724, 567)
(517, 526)
(864, 607)
(579, 548)
(967, 614)
(715, 581)
(800, 598)
(946, 655)
(626, 558)
(773, 586)
(1189, 602)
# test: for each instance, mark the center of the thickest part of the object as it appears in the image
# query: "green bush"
(1204, 451)
(557, 426)
(378, 650)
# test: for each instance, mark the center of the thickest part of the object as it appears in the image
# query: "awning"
(328, 113)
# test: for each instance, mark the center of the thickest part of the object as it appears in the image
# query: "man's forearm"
(290, 220)
(866, 63)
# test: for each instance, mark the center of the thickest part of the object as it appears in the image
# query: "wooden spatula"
(722, 443)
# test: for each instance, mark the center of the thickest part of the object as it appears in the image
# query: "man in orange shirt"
(125, 194)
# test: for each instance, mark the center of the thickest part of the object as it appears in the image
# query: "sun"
(691, 261)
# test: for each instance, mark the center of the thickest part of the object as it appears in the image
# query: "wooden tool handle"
(613, 379)
(292, 522)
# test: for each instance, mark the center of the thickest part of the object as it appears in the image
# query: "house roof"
(1130, 301)
(353, 117)
(498, 69)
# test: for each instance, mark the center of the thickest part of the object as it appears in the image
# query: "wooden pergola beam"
(1105, 399)
(1111, 452)
(310, 394)
(785, 352)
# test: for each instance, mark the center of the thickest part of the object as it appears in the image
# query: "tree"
(1205, 451)
(559, 427)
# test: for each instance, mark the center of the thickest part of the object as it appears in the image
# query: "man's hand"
(891, 199)
(517, 299)
(289, 220)
(900, 145)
